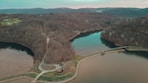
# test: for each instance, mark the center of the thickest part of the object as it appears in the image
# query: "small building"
(102, 53)
(60, 71)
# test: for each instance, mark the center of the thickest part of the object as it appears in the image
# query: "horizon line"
(73, 8)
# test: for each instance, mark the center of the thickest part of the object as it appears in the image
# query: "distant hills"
(41, 11)
(124, 12)
(127, 12)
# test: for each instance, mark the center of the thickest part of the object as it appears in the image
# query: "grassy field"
(10, 21)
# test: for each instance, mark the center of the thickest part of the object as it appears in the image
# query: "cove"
(16, 47)
(15, 59)
(113, 67)
(88, 44)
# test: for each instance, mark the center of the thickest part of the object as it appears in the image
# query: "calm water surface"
(110, 68)
(14, 59)
(89, 44)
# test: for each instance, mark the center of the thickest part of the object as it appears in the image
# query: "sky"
(19, 4)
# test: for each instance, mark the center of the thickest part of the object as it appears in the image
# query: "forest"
(33, 30)
(129, 33)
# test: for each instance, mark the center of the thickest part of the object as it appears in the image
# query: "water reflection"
(89, 44)
(108, 44)
(143, 54)
(14, 62)
(16, 47)
(15, 59)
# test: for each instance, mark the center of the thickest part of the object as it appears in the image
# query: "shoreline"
(76, 72)
(78, 66)
(83, 33)
(75, 36)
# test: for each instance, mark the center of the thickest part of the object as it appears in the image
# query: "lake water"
(14, 59)
(113, 67)
(89, 44)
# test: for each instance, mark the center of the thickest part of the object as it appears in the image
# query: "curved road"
(78, 65)
(57, 66)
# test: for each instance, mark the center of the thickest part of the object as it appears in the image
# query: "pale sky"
(9, 4)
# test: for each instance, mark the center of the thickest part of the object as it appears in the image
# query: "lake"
(113, 67)
(88, 44)
(14, 59)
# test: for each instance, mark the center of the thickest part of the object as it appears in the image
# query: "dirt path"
(57, 66)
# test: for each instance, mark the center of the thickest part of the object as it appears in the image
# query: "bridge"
(126, 48)
(136, 48)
